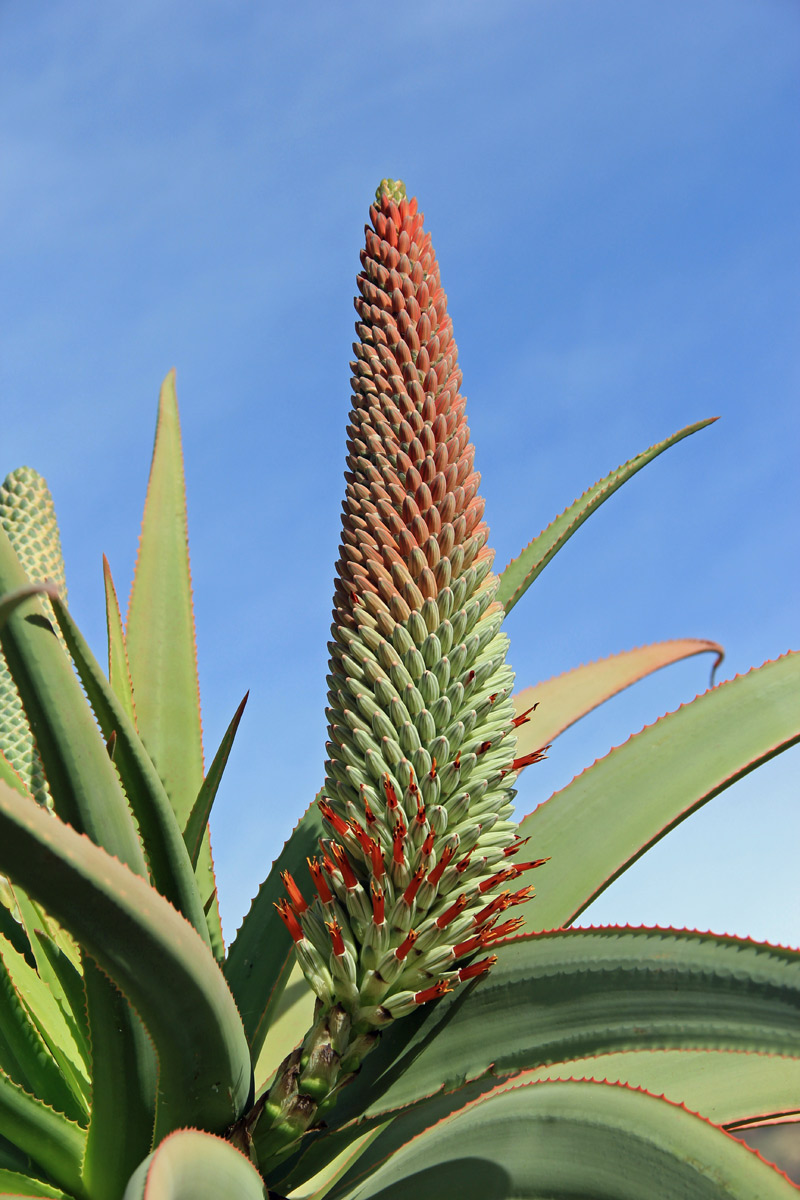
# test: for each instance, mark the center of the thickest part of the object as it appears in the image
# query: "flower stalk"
(414, 875)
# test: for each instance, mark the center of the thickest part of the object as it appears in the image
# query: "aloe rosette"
(139, 1057)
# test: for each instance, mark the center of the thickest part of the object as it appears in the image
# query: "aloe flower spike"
(408, 889)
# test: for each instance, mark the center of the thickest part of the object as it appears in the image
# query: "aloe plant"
(393, 1016)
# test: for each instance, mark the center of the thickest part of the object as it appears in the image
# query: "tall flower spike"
(418, 785)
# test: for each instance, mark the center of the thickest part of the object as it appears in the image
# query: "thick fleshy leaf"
(170, 866)
(14, 1183)
(149, 951)
(260, 959)
(778, 1143)
(119, 673)
(608, 816)
(10, 776)
(50, 1139)
(719, 1085)
(521, 572)
(24, 1052)
(124, 1088)
(201, 809)
(110, 1035)
(726, 1086)
(190, 1165)
(11, 927)
(84, 784)
(160, 632)
(57, 960)
(573, 1139)
(290, 1020)
(48, 1019)
(561, 701)
(356, 1145)
(557, 996)
(160, 640)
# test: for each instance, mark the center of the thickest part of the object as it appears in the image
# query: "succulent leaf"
(149, 951)
(41, 1009)
(24, 1054)
(56, 958)
(260, 958)
(719, 1085)
(51, 1140)
(192, 1165)
(547, 709)
(84, 784)
(729, 1087)
(201, 809)
(160, 633)
(580, 1139)
(522, 571)
(552, 997)
(160, 641)
(170, 866)
(120, 1117)
(694, 753)
(17, 1184)
(119, 672)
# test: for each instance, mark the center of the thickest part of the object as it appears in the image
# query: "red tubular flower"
(433, 993)
(405, 946)
(335, 931)
(378, 904)
(452, 912)
(299, 903)
(477, 968)
(414, 885)
(344, 865)
(438, 870)
(398, 842)
(319, 880)
(391, 795)
(287, 915)
(334, 820)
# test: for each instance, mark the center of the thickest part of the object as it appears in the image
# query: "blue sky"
(612, 192)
